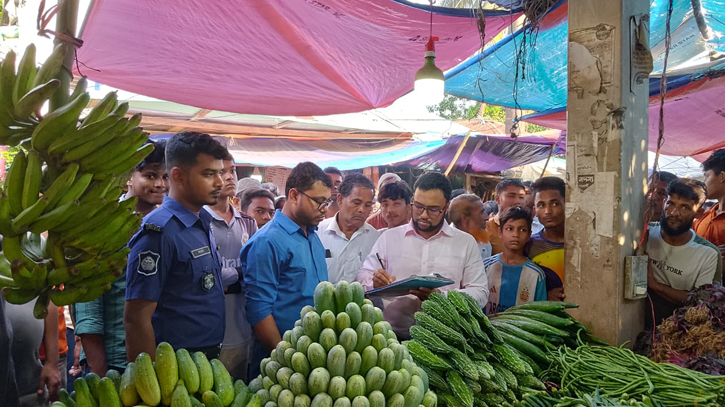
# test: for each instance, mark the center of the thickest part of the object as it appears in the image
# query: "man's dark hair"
(550, 184)
(396, 190)
(434, 180)
(515, 213)
(278, 201)
(158, 156)
(527, 184)
(508, 182)
(250, 194)
(490, 208)
(458, 192)
(687, 188)
(354, 180)
(304, 175)
(271, 187)
(664, 176)
(716, 162)
(185, 146)
(333, 170)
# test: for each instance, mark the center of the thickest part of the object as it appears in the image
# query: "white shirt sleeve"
(371, 263)
(709, 267)
(474, 281)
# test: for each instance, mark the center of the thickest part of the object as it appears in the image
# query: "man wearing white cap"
(377, 220)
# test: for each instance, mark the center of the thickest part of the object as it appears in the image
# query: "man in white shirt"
(679, 260)
(346, 236)
(426, 245)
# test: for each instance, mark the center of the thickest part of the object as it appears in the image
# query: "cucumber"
(379, 342)
(328, 339)
(368, 314)
(306, 309)
(107, 394)
(167, 371)
(336, 359)
(115, 376)
(128, 394)
(303, 344)
(270, 371)
(348, 340)
(369, 359)
(354, 313)
(206, 376)
(430, 399)
(343, 295)
(241, 394)
(301, 400)
(376, 399)
(147, 384)
(288, 356)
(413, 396)
(342, 402)
(352, 364)
(321, 400)
(364, 333)
(358, 293)
(298, 384)
(65, 398)
(543, 317)
(544, 306)
(255, 401)
(83, 394)
(396, 400)
(343, 321)
(300, 364)
(355, 387)
(93, 379)
(316, 355)
(180, 396)
(286, 399)
(360, 401)
(328, 320)
(210, 399)
(283, 377)
(392, 383)
(318, 381)
(256, 384)
(312, 324)
(297, 333)
(337, 387)
(375, 379)
(324, 297)
(282, 346)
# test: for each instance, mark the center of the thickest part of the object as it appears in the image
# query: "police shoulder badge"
(207, 281)
(148, 263)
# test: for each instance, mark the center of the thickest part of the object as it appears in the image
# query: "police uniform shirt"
(174, 262)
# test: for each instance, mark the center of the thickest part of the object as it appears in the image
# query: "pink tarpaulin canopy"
(279, 57)
(694, 119)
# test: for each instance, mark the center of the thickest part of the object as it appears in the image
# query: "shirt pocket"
(449, 266)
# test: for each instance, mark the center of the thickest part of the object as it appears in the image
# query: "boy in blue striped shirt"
(512, 278)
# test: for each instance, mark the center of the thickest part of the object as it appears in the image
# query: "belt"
(211, 352)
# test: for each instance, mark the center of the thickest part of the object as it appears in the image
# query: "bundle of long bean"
(564, 398)
(618, 372)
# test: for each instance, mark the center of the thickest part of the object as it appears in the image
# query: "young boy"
(512, 278)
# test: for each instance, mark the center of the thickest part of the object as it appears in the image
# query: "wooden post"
(458, 153)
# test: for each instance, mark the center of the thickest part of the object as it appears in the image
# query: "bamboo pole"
(458, 153)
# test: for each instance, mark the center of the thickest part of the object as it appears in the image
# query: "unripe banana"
(21, 275)
(20, 223)
(56, 217)
(6, 281)
(98, 220)
(33, 179)
(92, 145)
(60, 186)
(5, 228)
(35, 98)
(128, 164)
(84, 213)
(26, 74)
(79, 186)
(119, 150)
(58, 121)
(13, 251)
(17, 295)
(93, 241)
(39, 276)
(69, 295)
(81, 87)
(122, 109)
(14, 182)
(60, 275)
(7, 84)
(40, 310)
(102, 109)
(51, 66)
(74, 137)
(5, 269)
(94, 292)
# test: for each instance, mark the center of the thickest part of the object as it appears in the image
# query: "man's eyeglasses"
(321, 205)
(432, 210)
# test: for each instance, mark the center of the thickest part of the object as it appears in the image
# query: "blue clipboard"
(414, 282)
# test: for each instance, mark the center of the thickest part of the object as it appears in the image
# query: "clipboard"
(413, 282)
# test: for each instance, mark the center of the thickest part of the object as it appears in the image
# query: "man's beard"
(431, 228)
(675, 231)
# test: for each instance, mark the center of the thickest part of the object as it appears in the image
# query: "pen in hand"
(381, 277)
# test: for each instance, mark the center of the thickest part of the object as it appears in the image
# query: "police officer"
(174, 290)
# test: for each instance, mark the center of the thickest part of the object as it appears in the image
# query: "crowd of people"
(223, 266)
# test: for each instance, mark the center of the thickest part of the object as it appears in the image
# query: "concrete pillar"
(606, 162)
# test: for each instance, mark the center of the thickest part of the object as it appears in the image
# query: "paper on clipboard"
(413, 282)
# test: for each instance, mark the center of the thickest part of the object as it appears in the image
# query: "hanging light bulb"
(429, 80)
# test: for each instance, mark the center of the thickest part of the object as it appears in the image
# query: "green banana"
(75, 191)
(134, 120)
(20, 274)
(26, 74)
(90, 268)
(102, 109)
(122, 109)
(94, 240)
(40, 310)
(5, 226)
(94, 292)
(17, 295)
(97, 190)
(35, 98)
(113, 194)
(39, 275)
(61, 275)
(129, 163)
(83, 214)
(98, 220)
(14, 182)
(57, 216)
(60, 186)
(51, 66)
(68, 295)
(121, 238)
(116, 151)
(5, 269)
(81, 87)
(33, 179)
(7, 84)
(12, 248)
(20, 223)
(58, 122)
(17, 134)
(93, 144)
(74, 137)
(6, 281)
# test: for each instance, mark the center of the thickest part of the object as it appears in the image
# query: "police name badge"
(202, 251)
(207, 281)
(148, 262)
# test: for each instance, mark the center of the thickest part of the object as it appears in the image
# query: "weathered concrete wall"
(606, 164)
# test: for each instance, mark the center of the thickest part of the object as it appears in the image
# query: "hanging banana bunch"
(65, 181)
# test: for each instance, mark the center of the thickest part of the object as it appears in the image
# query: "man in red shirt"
(711, 225)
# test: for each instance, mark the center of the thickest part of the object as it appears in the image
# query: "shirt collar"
(235, 213)
(447, 230)
(334, 227)
(289, 225)
(187, 217)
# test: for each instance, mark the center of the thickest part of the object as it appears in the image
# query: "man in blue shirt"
(174, 290)
(283, 262)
